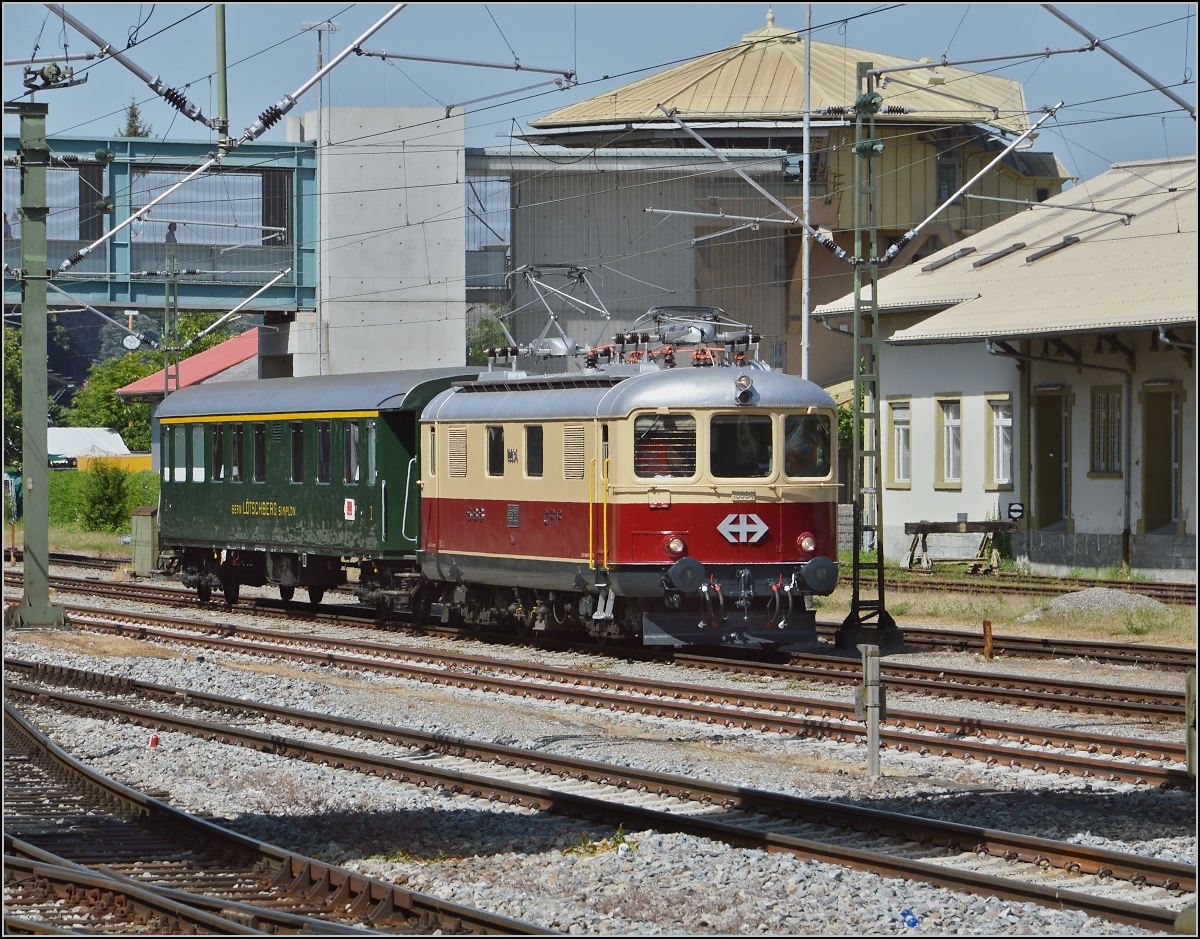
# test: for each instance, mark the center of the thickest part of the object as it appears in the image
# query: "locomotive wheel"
(204, 592)
(286, 593)
(315, 594)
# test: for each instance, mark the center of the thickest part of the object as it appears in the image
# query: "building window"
(664, 445)
(236, 441)
(495, 451)
(949, 444)
(1106, 430)
(533, 450)
(197, 453)
(297, 453)
(901, 414)
(350, 447)
(1043, 195)
(324, 452)
(947, 179)
(999, 443)
(260, 453)
(218, 454)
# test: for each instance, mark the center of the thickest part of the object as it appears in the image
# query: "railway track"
(71, 560)
(1130, 654)
(84, 850)
(1131, 759)
(1034, 586)
(1121, 887)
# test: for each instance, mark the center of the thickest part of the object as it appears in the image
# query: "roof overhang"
(930, 305)
(915, 336)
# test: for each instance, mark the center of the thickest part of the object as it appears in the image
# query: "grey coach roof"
(369, 391)
(1114, 277)
(669, 388)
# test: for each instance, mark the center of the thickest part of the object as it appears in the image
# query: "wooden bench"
(984, 556)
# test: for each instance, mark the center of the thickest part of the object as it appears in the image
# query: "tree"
(134, 126)
(485, 333)
(13, 425)
(97, 404)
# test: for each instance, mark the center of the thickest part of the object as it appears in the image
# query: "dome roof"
(761, 78)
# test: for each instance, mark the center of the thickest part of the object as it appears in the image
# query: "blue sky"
(1111, 113)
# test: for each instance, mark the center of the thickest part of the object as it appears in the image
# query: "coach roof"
(370, 391)
(569, 399)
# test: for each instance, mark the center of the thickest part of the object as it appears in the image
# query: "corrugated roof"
(201, 366)
(84, 441)
(1116, 276)
(763, 77)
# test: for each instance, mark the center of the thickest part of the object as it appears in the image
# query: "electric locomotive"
(666, 506)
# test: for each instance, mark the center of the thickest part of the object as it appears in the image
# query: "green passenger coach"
(283, 481)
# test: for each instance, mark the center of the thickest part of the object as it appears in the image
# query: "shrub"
(105, 497)
(66, 497)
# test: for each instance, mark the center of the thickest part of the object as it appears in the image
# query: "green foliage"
(13, 425)
(485, 333)
(846, 428)
(134, 125)
(69, 496)
(97, 404)
(588, 848)
(105, 497)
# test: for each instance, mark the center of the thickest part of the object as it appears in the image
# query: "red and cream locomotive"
(666, 506)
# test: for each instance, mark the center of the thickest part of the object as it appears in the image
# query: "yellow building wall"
(134, 463)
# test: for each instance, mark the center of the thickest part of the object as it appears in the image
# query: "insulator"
(894, 109)
(669, 360)
(755, 337)
(270, 117)
(177, 99)
(645, 337)
(104, 155)
(69, 160)
(836, 109)
(514, 351)
(591, 360)
(74, 259)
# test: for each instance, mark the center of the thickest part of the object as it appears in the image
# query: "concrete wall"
(393, 242)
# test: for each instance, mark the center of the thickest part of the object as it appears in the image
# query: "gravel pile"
(1097, 601)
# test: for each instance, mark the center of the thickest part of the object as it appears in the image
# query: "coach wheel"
(232, 588)
(315, 594)
(383, 611)
(286, 593)
(204, 592)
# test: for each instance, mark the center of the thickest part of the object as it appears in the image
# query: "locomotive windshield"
(807, 444)
(740, 445)
(664, 445)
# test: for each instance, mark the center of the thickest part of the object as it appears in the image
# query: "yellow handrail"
(605, 474)
(591, 515)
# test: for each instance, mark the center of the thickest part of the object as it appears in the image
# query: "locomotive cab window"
(807, 445)
(740, 445)
(495, 451)
(324, 452)
(350, 446)
(236, 443)
(218, 454)
(297, 453)
(664, 445)
(533, 450)
(260, 453)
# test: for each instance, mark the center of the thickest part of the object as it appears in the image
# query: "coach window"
(739, 445)
(370, 453)
(324, 452)
(197, 453)
(218, 453)
(239, 451)
(260, 453)
(180, 454)
(432, 451)
(297, 452)
(495, 441)
(164, 455)
(664, 445)
(807, 445)
(533, 450)
(350, 447)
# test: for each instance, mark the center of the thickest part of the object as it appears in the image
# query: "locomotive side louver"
(573, 451)
(457, 438)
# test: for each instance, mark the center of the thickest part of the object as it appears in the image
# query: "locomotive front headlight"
(675, 546)
(743, 389)
(806, 542)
